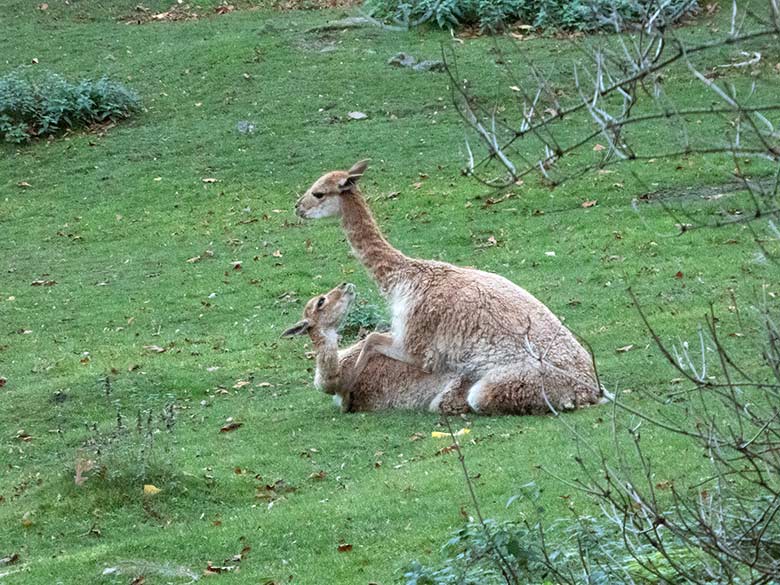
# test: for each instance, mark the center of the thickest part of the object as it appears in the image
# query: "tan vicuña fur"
(448, 319)
(384, 383)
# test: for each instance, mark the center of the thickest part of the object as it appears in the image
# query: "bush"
(495, 15)
(33, 105)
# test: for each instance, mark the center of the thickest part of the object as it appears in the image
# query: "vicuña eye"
(320, 302)
(319, 195)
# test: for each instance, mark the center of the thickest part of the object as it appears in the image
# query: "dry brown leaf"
(43, 283)
(209, 180)
(193, 259)
(277, 254)
(23, 184)
(590, 203)
(344, 547)
(231, 426)
(599, 147)
(625, 348)
(241, 384)
(154, 348)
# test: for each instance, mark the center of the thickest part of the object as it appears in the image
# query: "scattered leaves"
(590, 203)
(240, 384)
(625, 348)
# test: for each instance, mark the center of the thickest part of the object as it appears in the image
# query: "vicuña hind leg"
(524, 392)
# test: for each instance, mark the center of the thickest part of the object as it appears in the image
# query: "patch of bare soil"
(706, 192)
(177, 12)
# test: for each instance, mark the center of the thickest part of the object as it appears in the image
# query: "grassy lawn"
(112, 217)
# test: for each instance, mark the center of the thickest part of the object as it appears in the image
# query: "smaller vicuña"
(384, 383)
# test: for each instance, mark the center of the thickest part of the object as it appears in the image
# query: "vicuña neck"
(370, 246)
(328, 376)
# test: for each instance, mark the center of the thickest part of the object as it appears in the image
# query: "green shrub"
(495, 15)
(34, 104)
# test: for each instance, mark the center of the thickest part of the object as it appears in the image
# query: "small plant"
(125, 450)
(34, 104)
(496, 15)
(363, 318)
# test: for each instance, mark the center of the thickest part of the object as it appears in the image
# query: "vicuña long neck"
(377, 255)
(328, 376)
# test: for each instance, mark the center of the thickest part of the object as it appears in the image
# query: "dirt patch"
(706, 192)
(176, 13)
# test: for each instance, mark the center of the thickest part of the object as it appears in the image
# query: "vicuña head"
(323, 199)
(323, 314)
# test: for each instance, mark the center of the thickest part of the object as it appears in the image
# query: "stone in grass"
(429, 66)
(402, 60)
(409, 61)
(245, 127)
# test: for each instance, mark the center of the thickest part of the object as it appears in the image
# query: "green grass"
(114, 217)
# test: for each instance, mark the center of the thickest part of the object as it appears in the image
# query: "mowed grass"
(113, 218)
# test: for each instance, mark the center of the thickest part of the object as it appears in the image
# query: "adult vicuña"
(384, 383)
(446, 318)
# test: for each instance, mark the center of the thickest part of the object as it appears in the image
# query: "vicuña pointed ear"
(353, 174)
(359, 168)
(300, 328)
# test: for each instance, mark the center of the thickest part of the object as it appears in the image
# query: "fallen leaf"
(416, 437)
(43, 6)
(139, 580)
(625, 348)
(209, 180)
(193, 259)
(590, 203)
(514, 87)
(9, 560)
(318, 475)
(447, 449)
(23, 184)
(264, 385)
(443, 435)
(3, 382)
(599, 147)
(678, 274)
(664, 485)
(216, 570)
(43, 283)
(27, 520)
(154, 348)
(277, 254)
(241, 384)
(417, 185)
(151, 490)
(344, 547)
(550, 253)
(357, 116)
(491, 241)
(23, 435)
(231, 426)
(236, 266)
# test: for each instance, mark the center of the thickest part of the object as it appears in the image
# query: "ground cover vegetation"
(154, 426)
